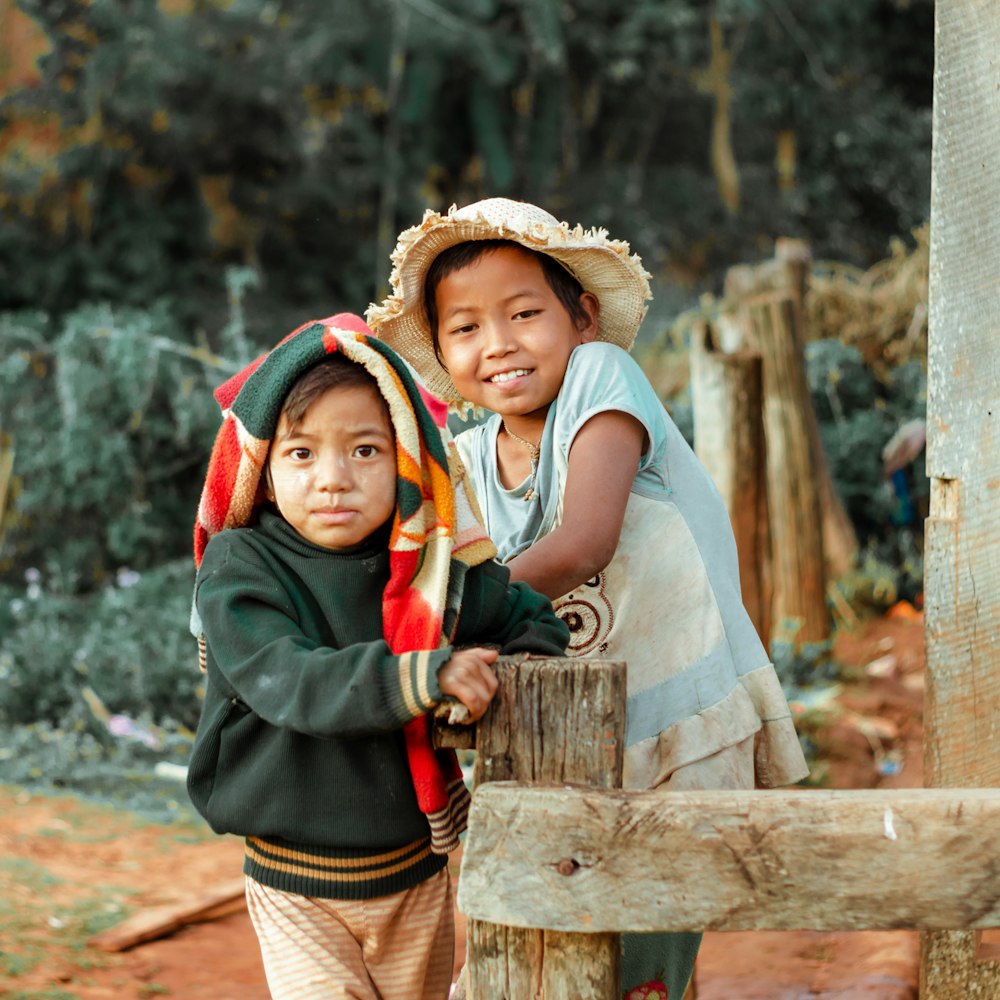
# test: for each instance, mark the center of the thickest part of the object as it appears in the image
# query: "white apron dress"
(705, 707)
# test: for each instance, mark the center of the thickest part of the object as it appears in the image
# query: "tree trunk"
(788, 272)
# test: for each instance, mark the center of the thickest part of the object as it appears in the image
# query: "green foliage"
(857, 416)
(293, 138)
(110, 430)
(297, 136)
(97, 689)
(128, 642)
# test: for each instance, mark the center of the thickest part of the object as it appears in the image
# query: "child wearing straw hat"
(593, 496)
(345, 587)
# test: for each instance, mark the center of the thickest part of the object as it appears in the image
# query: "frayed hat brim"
(604, 267)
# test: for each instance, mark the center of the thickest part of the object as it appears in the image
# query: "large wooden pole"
(962, 550)
(553, 722)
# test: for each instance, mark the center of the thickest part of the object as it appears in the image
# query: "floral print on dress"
(588, 614)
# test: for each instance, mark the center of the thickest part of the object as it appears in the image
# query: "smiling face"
(505, 337)
(332, 476)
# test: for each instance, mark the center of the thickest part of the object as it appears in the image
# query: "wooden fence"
(559, 860)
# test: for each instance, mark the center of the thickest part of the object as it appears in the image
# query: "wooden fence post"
(962, 572)
(799, 612)
(729, 441)
(788, 274)
(557, 722)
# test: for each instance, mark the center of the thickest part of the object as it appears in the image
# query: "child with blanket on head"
(593, 496)
(345, 587)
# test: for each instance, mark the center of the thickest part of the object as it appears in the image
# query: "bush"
(344, 120)
(125, 647)
(858, 413)
(110, 420)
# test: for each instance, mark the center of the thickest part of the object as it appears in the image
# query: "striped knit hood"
(436, 534)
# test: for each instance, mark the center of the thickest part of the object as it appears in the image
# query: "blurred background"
(182, 182)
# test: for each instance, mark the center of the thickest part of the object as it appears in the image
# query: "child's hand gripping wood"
(468, 677)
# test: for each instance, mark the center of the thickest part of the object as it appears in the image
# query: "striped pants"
(398, 947)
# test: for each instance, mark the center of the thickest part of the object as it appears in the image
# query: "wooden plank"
(840, 541)
(159, 921)
(565, 977)
(963, 427)
(552, 720)
(788, 274)
(577, 859)
(962, 571)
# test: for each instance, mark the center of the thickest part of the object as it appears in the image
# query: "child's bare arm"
(603, 460)
(467, 676)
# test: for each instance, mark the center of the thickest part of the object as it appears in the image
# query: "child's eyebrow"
(372, 431)
(506, 301)
(366, 430)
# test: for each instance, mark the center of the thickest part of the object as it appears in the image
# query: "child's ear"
(265, 491)
(592, 310)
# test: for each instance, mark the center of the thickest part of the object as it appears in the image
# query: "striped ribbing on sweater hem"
(347, 874)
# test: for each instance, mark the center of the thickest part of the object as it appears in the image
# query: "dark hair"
(565, 286)
(333, 372)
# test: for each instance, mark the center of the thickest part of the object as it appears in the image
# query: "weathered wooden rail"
(576, 859)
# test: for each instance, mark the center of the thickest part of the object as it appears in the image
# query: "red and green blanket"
(437, 532)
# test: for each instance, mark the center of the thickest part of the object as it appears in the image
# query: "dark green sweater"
(300, 747)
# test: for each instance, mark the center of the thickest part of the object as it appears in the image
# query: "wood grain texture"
(582, 859)
(729, 441)
(962, 565)
(788, 275)
(963, 432)
(566, 977)
(552, 721)
(799, 613)
(446, 734)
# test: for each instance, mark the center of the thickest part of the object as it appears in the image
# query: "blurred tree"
(164, 143)
(110, 419)
(187, 180)
(298, 136)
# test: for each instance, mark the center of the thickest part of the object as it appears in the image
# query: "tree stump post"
(726, 393)
(788, 273)
(556, 722)
(799, 612)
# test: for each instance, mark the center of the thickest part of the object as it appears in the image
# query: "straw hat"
(604, 267)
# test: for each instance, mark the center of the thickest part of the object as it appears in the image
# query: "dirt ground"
(69, 869)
